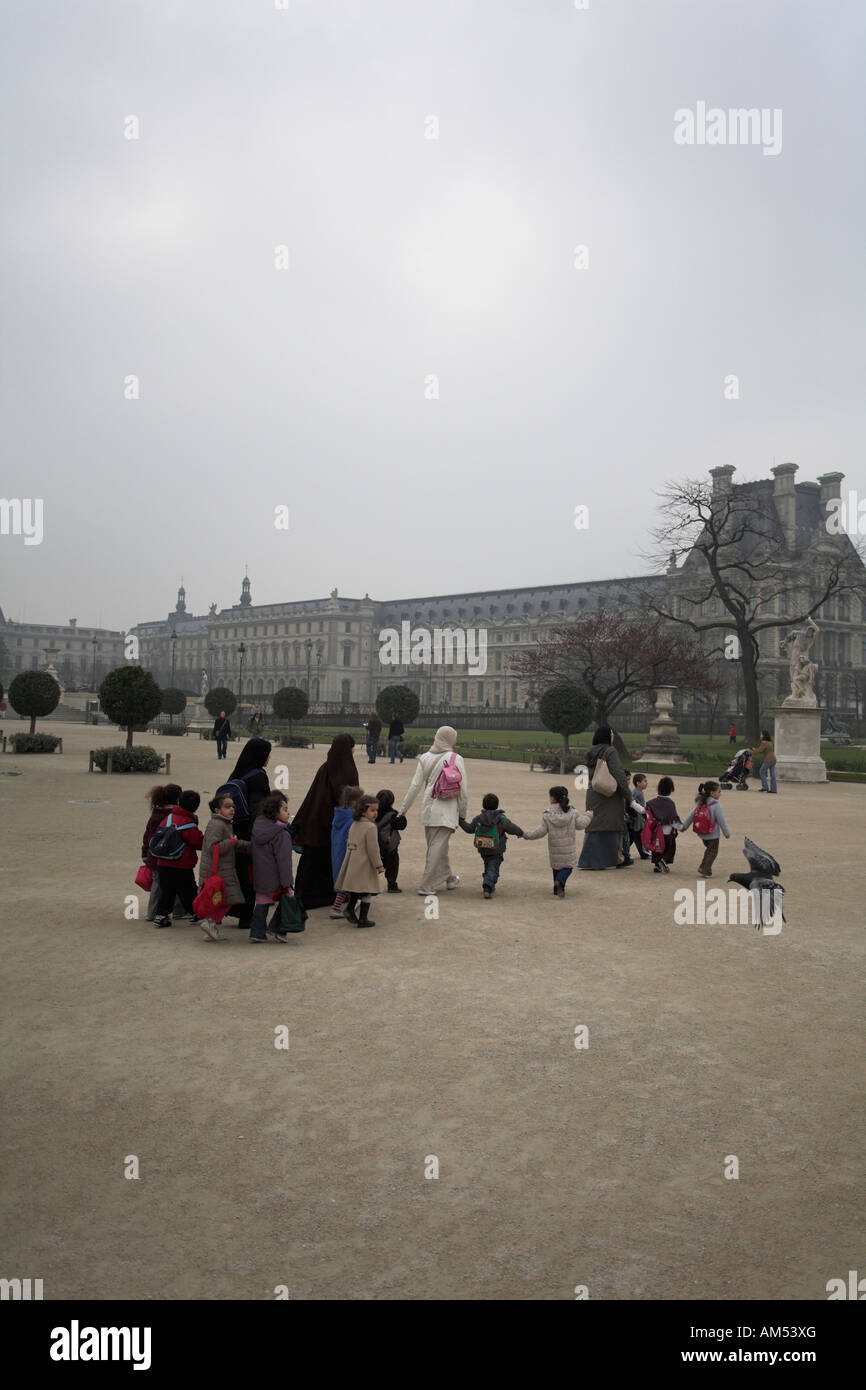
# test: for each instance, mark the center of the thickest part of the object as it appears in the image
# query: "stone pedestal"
(663, 744)
(798, 743)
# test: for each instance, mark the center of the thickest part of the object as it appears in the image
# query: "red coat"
(193, 837)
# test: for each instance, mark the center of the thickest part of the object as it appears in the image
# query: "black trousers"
(391, 864)
(174, 883)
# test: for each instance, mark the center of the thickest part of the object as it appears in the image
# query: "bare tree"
(735, 553)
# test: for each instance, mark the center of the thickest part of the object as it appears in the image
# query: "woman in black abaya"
(311, 828)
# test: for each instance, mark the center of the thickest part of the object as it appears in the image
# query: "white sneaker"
(428, 893)
(212, 931)
(453, 882)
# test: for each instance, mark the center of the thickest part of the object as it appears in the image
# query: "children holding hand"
(560, 823)
(491, 829)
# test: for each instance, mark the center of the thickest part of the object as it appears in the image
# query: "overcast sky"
(411, 257)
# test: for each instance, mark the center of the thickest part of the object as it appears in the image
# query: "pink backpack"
(449, 781)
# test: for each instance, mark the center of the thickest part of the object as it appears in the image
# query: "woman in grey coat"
(602, 841)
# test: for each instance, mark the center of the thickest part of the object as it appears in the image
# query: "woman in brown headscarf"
(311, 828)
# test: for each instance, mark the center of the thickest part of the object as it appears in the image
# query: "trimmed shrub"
(290, 703)
(34, 694)
(140, 759)
(550, 762)
(397, 702)
(294, 741)
(409, 750)
(33, 743)
(130, 697)
(220, 698)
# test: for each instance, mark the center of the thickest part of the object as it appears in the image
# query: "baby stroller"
(737, 771)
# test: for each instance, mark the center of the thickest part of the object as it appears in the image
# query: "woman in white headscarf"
(439, 815)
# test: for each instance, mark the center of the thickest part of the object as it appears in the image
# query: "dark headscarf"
(312, 824)
(254, 754)
(603, 734)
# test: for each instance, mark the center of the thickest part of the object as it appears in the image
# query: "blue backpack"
(237, 790)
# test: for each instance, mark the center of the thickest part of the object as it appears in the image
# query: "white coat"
(433, 810)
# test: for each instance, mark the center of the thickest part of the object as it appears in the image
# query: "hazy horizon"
(408, 258)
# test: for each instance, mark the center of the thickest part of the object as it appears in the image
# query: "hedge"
(33, 743)
(135, 759)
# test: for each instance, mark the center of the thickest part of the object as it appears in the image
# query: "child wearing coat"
(708, 796)
(560, 823)
(161, 801)
(271, 846)
(497, 826)
(663, 821)
(362, 863)
(177, 876)
(349, 798)
(388, 827)
(218, 835)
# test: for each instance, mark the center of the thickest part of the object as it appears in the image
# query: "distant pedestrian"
(222, 732)
(395, 733)
(768, 764)
(373, 726)
(732, 732)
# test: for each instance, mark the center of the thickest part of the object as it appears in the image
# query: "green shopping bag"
(293, 914)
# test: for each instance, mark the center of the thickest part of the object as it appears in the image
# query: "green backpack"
(487, 839)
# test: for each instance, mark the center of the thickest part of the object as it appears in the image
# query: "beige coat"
(433, 810)
(361, 860)
(219, 831)
(560, 827)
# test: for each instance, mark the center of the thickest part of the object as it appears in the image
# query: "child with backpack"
(662, 823)
(490, 828)
(362, 863)
(706, 820)
(349, 798)
(271, 846)
(560, 823)
(218, 837)
(174, 846)
(637, 813)
(388, 827)
(161, 801)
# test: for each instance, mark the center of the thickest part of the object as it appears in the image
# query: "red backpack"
(702, 821)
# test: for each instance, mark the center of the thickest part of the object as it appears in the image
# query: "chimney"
(73, 622)
(785, 499)
(831, 486)
(722, 479)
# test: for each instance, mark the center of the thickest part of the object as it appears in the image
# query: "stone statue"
(837, 732)
(803, 670)
(204, 684)
(212, 611)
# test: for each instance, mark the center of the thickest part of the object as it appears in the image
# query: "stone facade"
(78, 651)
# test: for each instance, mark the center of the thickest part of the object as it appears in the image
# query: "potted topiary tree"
(34, 694)
(290, 703)
(130, 696)
(566, 709)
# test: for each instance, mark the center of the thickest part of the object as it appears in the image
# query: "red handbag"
(211, 900)
(144, 878)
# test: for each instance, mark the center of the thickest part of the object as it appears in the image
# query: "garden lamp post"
(242, 651)
(309, 646)
(173, 654)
